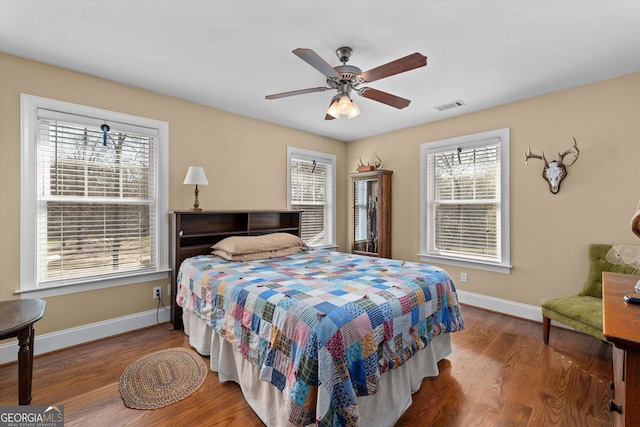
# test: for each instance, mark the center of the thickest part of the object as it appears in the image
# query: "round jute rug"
(162, 378)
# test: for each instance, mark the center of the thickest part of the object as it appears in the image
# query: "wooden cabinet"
(372, 213)
(622, 328)
(193, 233)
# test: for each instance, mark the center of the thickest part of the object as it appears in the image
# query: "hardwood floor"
(500, 374)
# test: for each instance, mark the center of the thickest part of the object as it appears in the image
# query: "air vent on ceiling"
(449, 105)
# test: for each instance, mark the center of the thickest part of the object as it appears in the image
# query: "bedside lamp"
(195, 176)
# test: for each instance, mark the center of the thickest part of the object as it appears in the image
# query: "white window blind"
(312, 190)
(464, 200)
(96, 204)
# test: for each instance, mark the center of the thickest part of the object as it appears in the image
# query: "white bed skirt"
(382, 409)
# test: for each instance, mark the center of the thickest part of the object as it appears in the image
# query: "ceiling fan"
(347, 78)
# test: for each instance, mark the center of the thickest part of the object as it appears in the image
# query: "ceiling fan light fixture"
(333, 110)
(344, 105)
(355, 111)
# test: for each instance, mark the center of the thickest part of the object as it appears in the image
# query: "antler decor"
(555, 171)
(368, 167)
(378, 164)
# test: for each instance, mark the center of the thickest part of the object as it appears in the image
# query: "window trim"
(29, 105)
(329, 158)
(504, 266)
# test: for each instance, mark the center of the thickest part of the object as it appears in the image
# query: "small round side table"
(16, 320)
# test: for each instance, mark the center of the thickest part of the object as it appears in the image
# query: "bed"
(316, 336)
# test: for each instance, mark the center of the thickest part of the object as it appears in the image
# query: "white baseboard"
(512, 308)
(82, 334)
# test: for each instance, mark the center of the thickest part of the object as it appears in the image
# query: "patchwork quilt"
(321, 326)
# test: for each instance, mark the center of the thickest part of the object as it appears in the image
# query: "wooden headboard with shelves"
(193, 233)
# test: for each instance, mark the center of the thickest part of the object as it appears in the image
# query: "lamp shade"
(344, 105)
(196, 175)
(333, 110)
(355, 111)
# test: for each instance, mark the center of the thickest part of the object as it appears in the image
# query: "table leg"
(25, 364)
(32, 344)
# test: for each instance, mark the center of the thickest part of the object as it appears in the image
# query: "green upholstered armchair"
(583, 312)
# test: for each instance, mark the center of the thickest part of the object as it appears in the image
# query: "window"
(311, 189)
(93, 213)
(465, 201)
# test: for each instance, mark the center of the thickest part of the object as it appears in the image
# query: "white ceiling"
(230, 54)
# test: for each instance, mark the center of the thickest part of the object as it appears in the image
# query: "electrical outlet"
(463, 277)
(157, 292)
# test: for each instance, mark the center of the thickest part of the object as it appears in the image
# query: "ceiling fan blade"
(384, 97)
(409, 62)
(313, 59)
(297, 92)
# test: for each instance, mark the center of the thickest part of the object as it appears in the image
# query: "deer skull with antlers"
(554, 171)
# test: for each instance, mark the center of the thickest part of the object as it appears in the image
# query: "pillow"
(242, 245)
(258, 255)
(597, 264)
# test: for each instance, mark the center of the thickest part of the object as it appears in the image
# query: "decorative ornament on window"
(105, 128)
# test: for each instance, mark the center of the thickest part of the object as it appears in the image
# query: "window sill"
(478, 265)
(73, 288)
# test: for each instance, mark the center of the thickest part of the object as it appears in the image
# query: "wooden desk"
(16, 320)
(622, 328)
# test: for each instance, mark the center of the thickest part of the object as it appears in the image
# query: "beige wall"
(549, 233)
(245, 162)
